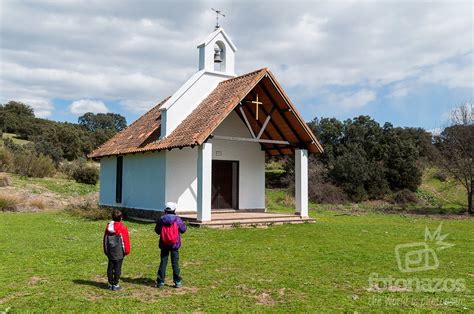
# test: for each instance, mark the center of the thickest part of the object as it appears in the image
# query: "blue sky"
(408, 63)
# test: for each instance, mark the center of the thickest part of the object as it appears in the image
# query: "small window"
(118, 182)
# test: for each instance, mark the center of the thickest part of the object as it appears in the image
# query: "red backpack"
(169, 234)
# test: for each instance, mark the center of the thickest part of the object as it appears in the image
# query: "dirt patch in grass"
(12, 296)
(149, 293)
(36, 280)
(269, 297)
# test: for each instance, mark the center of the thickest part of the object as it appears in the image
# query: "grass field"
(59, 186)
(447, 194)
(52, 261)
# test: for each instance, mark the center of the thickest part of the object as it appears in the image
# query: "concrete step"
(253, 217)
(252, 222)
(223, 211)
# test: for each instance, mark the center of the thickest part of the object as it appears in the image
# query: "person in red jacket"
(116, 246)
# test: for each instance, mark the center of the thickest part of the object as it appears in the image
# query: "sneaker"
(110, 287)
(116, 288)
(160, 284)
(178, 284)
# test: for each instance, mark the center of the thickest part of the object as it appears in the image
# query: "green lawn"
(51, 261)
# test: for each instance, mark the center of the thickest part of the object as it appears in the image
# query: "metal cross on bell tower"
(218, 12)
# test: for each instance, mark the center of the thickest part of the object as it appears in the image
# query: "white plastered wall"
(187, 98)
(181, 165)
(181, 178)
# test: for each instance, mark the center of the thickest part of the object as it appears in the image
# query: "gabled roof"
(198, 126)
(136, 135)
(214, 34)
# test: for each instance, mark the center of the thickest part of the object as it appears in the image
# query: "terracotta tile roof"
(144, 130)
(198, 125)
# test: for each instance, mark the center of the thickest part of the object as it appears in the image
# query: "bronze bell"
(217, 55)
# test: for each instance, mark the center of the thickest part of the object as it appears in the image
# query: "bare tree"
(455, 151)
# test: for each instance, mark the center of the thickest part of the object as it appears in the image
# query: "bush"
(4, 180)
(440, 175)
(405, 197)
(8, 202)
(86, 174)
(326, 193)
(88, 208)
(38, 203)
(320, 189)
(69, 167)
(275, 179)
(28, 164)
(6, 159)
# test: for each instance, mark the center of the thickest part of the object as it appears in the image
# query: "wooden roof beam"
(267, 93)
(248, 139)
(258, 123)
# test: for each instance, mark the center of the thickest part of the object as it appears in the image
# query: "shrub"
(68, 168)
(38, 203)
(42, 166)
(88, 208)
(404, 197)
(28, 164)
(6, 159)
(8, 202)
(440, 175)
(289, 201)
(326, 193)
(86, 174)
(275, 179)
(320, 188)
(4, 180)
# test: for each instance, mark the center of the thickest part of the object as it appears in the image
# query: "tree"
(14, 115)
(367, 160)
(401, 154)
(104, 121)
(455, 147)
(19, 108)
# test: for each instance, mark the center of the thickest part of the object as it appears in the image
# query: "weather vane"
(218, 12)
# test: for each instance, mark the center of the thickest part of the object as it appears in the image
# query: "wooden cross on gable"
(256, 102)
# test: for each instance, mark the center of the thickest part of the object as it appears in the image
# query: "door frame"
(235, 180)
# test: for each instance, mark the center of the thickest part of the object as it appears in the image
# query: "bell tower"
(217, 53)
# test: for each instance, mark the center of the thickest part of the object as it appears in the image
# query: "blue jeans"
(164, 262)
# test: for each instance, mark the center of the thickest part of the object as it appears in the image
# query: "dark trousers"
(114, 270)
(164, 262)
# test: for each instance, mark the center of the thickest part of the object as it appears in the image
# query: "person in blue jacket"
(169, 227)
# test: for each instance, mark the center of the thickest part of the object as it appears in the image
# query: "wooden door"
(224, 184)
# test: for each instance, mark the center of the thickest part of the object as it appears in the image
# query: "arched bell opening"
(219, 56)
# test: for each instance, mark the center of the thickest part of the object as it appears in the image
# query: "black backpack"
(114, 246)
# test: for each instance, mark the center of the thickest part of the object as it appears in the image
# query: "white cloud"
(144, 51)
(42, 107)
(349, 101)
(82, 106)
(460, 75)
